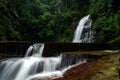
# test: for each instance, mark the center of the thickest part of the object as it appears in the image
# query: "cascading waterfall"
(33, 65)
(29, 51)
(83, 33)
(35, 50)
(38, 49)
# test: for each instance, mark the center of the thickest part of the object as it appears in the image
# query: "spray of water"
(83, 33)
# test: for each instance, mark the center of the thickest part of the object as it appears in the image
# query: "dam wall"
(13, 49)
(18, 49)
(51, 48)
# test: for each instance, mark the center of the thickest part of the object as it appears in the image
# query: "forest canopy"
(56, 20)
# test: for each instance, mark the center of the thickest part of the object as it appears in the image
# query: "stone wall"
(16, 49)
(13, 49)
(52, 48)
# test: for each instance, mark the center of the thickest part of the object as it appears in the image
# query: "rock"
(100, 69)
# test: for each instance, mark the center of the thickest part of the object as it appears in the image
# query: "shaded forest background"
(56, 20)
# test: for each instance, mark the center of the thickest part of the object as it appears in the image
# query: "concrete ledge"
(13, 47)
(52, 48)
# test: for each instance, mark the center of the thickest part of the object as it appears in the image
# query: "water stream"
(83, 32)
(34, 65)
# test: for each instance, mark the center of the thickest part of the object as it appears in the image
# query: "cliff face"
(100, 69)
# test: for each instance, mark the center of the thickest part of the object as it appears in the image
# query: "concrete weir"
(13, 48)
(51, 49)
(18, 49)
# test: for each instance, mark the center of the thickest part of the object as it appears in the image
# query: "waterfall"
(38, 49)
(83, 33)
(29, 51)
(34, 65)
(35, 50)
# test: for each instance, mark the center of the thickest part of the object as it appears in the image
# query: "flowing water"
(83, 32)
(34, 65)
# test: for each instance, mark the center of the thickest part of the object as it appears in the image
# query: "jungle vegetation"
(56, 20)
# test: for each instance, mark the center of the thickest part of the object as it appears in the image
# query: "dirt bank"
(100, 69)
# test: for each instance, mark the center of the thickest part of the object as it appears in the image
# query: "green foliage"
(107, 27)
(100, 7)
(117, 69)
(56, 20)
(106, 19)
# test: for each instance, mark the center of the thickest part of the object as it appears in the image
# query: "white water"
(37, 50)
(83, 33)
(51, 64)
(47, 75)
(34, 66)
(54, 74)
(110, 51)
(23, 68)
(29, 51)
